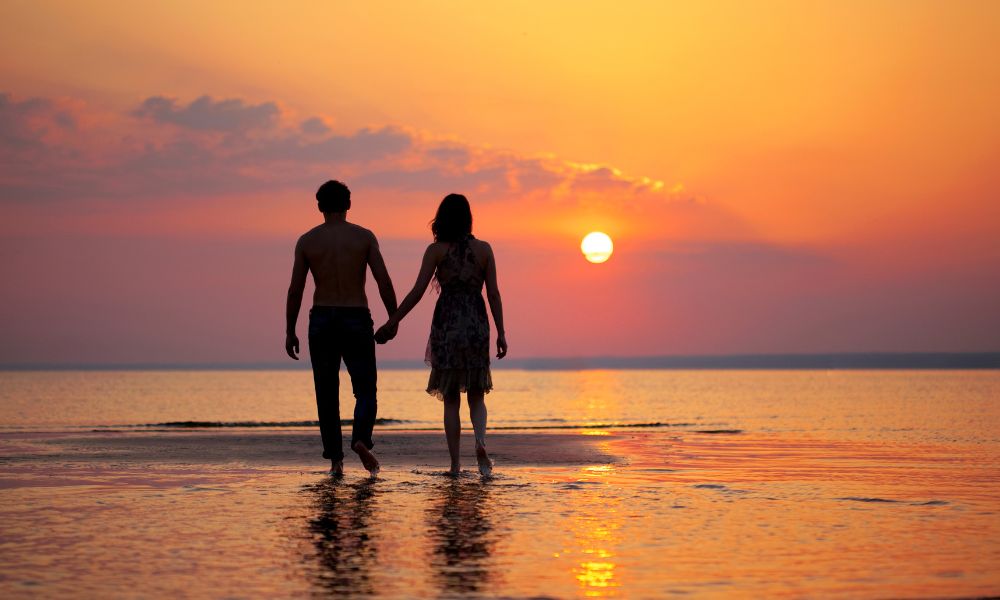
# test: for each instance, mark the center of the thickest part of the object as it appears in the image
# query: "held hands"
(386, 332)
(292, 345)
(501, 346)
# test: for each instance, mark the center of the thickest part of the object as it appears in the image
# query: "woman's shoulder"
(482, 251)
(436, 249)
(482, 248)
(478, 243)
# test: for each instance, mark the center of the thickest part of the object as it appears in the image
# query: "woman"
(458, 350)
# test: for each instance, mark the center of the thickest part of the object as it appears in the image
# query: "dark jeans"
(335, 333)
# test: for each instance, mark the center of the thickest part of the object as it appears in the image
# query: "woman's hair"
(453, 220)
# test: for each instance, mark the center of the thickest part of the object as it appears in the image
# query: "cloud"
(363, 145)
(314, 125)
(452, 154)
(439, 181)
(23, 124)
(206, 114)
(601, 178)
(211, 152)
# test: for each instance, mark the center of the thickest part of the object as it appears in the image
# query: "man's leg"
(324, 354)
(359, 357)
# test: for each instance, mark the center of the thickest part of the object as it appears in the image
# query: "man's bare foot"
(337, 468)
(484, 460)
(367, 458)
(455, 470)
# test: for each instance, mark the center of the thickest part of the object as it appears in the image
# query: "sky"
(778, 177)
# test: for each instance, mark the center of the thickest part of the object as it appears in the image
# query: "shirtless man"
(340, 324)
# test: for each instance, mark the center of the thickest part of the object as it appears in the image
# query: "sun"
(597, 247)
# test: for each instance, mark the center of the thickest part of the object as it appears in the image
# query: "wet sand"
(261, 449)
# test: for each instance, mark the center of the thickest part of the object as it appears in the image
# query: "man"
(340, 324)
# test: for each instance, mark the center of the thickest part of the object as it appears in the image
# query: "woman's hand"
(386, 332)
(501, 346)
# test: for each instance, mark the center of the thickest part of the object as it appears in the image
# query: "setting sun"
(597, 247)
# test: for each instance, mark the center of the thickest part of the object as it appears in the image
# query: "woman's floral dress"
(458, 350)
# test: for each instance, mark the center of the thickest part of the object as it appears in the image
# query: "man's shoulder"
(360, 231)
(305, 237)
(351, 230)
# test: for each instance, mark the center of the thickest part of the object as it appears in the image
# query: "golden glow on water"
(595, 572)
(597, 575)
(597, 534)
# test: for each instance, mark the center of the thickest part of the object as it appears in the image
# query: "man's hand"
(292, 345)
(386, 332)
(501, 346)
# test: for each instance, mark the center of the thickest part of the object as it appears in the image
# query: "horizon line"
(763, 361)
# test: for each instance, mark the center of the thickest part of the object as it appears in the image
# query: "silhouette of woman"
(458, 350)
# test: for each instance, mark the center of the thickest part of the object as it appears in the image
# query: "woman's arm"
(496, 305)
(432, 256)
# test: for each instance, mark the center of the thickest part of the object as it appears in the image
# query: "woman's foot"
(337, 468)
(484, 460)
(367, 458)
(456, 470)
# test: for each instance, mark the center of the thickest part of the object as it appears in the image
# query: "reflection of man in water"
(338, 254)
(347, 559)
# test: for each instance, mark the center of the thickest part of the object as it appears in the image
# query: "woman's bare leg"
(477, 410)
(453, 429)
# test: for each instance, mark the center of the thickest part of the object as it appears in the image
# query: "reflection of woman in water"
(458, 350)
(463, 536)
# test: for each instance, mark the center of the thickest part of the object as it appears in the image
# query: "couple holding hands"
(338, 254)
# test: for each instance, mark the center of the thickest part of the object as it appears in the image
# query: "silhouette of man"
(340, 324)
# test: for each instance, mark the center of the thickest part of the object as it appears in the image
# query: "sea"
(632, 483)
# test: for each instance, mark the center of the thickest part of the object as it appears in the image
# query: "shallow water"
(853, 485)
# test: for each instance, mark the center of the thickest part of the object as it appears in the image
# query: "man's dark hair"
(333, 196)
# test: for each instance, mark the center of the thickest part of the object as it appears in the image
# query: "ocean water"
(959, 406)
(637, 484)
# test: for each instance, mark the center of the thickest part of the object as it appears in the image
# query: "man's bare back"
(338, 254)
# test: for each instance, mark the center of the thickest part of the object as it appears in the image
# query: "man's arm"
(381, 274)
(300, 270)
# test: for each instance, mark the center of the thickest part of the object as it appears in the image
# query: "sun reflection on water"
(597, 537)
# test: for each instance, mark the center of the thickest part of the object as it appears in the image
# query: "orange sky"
(778, 176)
